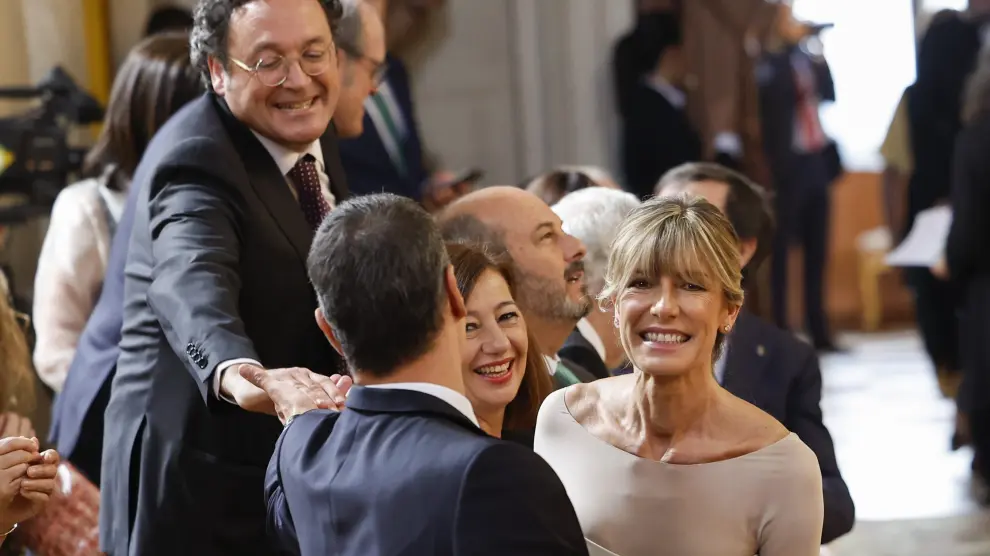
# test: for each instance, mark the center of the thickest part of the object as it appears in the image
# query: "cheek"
(471, 347)
(518, 341)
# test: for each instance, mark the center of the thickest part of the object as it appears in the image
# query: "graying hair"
(349, 33)
(593, 215)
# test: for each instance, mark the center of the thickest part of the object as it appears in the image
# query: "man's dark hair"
(378, 265)
(169, 18)
(747, 205)
(211, 27)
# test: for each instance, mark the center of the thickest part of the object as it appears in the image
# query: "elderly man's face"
(265, 34)
(358, 75)
(549, 262)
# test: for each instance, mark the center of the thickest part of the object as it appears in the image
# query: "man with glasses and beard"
(548, 264)
(229, 194)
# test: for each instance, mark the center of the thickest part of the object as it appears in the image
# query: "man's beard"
(548, 299)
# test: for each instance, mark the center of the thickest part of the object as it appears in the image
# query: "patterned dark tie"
(307, 183)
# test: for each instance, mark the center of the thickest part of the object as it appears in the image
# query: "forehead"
(277, 24)
(489, 289)
(373, 33)
(523, 214)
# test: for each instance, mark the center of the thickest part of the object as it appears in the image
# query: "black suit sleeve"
(970, 199)
(804, 416)
(279, 525)
(195, 243)
(513, 503)
(823, 75)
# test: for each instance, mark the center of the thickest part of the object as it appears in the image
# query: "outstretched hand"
(293, 393)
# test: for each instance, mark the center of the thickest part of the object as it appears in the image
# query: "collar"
(457, 400)
(552, 362)
(590, 334)
(286, 158)
(674, 96)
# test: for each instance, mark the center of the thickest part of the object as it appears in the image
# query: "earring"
(616, 321)
(726, 328)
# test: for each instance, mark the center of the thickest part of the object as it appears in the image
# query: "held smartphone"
(463, 179)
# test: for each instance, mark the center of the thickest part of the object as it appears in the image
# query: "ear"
(218, 75)
(457, 308)
(747, 248)
(321, 321)
(730, 317)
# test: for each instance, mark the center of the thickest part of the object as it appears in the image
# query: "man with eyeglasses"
(225, 204)
(360, 40)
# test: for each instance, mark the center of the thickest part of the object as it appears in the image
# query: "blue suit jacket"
(778, 373)
(367, 164)
(77, 416)
(404, 473)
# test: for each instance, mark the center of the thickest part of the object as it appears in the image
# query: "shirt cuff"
(218, 375)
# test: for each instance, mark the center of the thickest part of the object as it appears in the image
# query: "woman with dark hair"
(555, 185)
(155, 81)
(505, 381)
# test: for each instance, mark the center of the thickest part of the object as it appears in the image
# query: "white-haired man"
(592, 215)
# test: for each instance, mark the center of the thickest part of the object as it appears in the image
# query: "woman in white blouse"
(155, 80)
(665, 461)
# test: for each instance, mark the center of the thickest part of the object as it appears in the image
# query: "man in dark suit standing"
(77, 419)
(229, 193)
(763, 364)
(803, 163)
(405, 469)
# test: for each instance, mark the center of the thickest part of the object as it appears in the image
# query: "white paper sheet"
(925, 243)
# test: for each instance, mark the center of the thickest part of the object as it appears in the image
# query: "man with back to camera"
(77, 420)
(762, 364)
(228, 196)
(405, 469)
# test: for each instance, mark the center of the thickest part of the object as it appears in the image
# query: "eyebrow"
(501, 305)
(543, 225)
(268, 45)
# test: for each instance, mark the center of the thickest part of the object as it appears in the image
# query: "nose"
(295, 76)
(574, 249)
(667, 305)
(496, 342)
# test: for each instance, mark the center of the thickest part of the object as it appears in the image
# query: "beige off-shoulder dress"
(768, 502)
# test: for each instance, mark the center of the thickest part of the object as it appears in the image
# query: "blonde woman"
(665, 461)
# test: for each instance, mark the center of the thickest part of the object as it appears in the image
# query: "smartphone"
(465, 178)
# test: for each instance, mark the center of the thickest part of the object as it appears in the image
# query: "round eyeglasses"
(273, 70)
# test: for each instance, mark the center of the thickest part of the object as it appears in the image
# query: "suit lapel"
(746, 360)
(270, 185)
(333, 165)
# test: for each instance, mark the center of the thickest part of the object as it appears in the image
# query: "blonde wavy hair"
(16, 372)
(682, 236)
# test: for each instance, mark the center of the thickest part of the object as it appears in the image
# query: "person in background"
(665, 460)
(762, 364)
(947, 55)
(167, 19)
(793, 83)
(553, 186)
(967, 269)
(658, 135)
(229, 194)
(27, 474)
(504, 378)
(360, 42)
(547, 264)
(593, 216)
(406, 468)
(154, 82)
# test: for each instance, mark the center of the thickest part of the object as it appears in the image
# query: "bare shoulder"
(756, 428)
(587, 403)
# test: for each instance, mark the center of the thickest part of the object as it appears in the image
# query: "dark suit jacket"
(77, 417)
(657, 139)
(367, 164)
(579, 372)
(578, 349)
(215, 271)
(778, 101)
(404, 473)
(778, 373)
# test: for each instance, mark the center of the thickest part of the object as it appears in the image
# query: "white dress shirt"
(286, 160)
(590, 334)
(552, 362)
(457, 400)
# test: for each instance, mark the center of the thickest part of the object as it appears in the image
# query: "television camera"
(36, 160)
